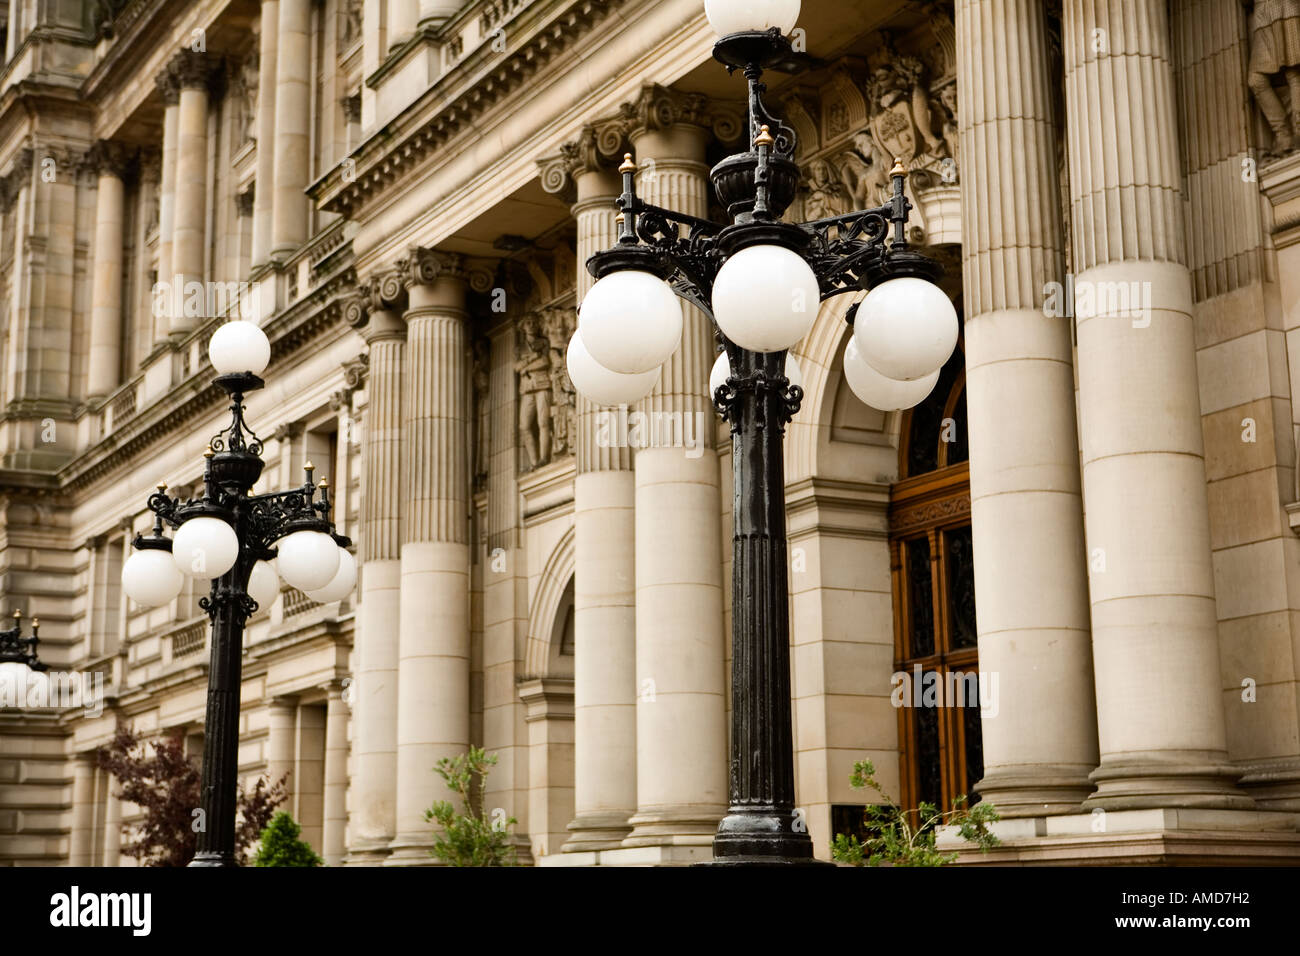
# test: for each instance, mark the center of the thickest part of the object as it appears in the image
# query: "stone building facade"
(403, 194)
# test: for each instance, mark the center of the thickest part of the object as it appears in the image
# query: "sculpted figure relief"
(1274, 51)
(559, 325)
(533, 370)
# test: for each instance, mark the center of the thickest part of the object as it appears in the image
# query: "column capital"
(168, 86)
(110, 158)
(661, 107)
(421, 266)
(380, 292)
(598, 147)
(192, 70)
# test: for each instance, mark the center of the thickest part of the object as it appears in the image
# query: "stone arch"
(554, 592)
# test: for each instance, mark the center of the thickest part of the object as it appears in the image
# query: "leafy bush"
(907, 837)
(470, 837)
(281, 846)
(166, 787)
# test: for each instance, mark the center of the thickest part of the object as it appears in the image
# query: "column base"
(368, 853)
(762, 838)
(1273, 784)
(597, 831)
(684, 826)
(663, 855)
(1203, 781)
(411, 850)
(1037, 791)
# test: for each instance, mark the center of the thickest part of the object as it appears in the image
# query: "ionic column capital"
(661, 108)
(382, 294)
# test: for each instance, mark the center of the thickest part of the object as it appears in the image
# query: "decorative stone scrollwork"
(382, 292)
(192, 70)
(423, 266)
(109, 157)
(1274, 56)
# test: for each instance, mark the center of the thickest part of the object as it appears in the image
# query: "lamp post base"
(213, 859)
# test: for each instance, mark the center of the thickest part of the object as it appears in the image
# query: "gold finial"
(209, 453)
(899, 169)
(324, 483)
(629, 164)
(162, 486)
(36, 622)
(309, 467)
(764, 137)
(18, 615)
(620, 219)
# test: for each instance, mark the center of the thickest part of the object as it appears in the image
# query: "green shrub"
(281, 846)
(470, 836)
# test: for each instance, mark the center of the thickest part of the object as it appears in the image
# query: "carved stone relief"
(1274, 62)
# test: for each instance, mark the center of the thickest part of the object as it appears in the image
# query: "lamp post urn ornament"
(229, 536)
(761, 280)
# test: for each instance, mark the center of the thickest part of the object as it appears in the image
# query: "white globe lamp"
(598, 384)
(344, 580)
(239, 347)
(205, 547)
(907, 328)
(722, 371)
(308, 559)
(743, 16)
(264, 585)
(879, 392)
(765, 298)
(151, 578)
(631, 322)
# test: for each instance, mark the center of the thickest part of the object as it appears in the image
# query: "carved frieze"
(1275, 63)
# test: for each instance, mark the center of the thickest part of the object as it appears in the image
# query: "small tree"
(907, 837)
(166, 786)
(470, 837)
(281, 846)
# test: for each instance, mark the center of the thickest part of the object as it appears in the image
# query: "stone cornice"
(410, 139)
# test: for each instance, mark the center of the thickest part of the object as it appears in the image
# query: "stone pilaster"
(376, 313)
(264, 197)
(335, 810)
(112, 827)
(1155, 646)
(434, 642)
(192, 73)
(170, 92)
(110, 161)
(1026, 507)
(81, 843)
(282, 717)
(681, 704)
(292, 126)
(604, 609)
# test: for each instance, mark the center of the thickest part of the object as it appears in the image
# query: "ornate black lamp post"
(229, 535)
(761, 280)
(16, 649)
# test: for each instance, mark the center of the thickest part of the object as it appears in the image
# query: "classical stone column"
(376, 314)
(112, 828)
(434, 643)
(282, 717)
(160, 302)
(604, 605)
(681, 705)
(1155, 645)
(1040, 734)
(81, 844)
(402, 17)
(105, 346)
(433, 11)
(264, 196)
(292, 124)
(193, 71)
(335, 812)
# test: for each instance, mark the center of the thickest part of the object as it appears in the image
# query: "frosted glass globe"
(205, 547)
(264, 585)
(631, 322)
(599, 385)
(885, 394)
(150, 578)
(722, 371)
(765, 298)
(239, 347)
(906, 328)
(13, 683)
(345, 579)
(308, 559)
(742, 16)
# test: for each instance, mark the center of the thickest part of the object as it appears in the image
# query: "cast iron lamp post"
(761, 281)
(230, 536)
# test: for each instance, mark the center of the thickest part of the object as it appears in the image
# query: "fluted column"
(434, 644)
(282, 718)
(292, 125)
(1040, 742)
(376, 312)
(170, 92)
(105, 345)
(335, 811)
(681, 706)
(604, 594)
(264, 195)
(1155, 646)
(193, 71)
(81, 844)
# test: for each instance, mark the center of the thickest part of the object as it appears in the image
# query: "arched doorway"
(935, 645)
